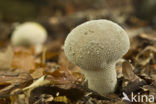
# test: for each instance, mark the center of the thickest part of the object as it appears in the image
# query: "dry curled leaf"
(128, 71)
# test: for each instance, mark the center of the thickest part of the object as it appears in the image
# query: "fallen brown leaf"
(24, 59)
(37, 73)
(66, 64)
(134, 82)
(128, 71)
(6, 59)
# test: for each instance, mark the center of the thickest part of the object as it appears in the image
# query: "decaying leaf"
(59, 95)
(146, 55)
(6, 59)
(49, 78)
(128, 71)
(66, 64)
(24, 59)
(134, 82)
(134, 86)
(19, 81)
(37, 73)
(56, 78)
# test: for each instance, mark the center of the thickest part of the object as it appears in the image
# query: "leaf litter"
(49, 78)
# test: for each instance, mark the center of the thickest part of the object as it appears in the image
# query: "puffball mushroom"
(96, 46)
(29, 34)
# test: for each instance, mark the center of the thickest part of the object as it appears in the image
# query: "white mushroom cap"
(29, 34)
(96, 43)
(96, 46)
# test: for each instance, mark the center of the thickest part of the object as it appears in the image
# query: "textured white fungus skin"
(95, 46)
(29, 34)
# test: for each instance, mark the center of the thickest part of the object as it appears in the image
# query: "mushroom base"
(102, 81)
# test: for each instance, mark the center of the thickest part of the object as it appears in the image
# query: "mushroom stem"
(103, 81)
(38, 48)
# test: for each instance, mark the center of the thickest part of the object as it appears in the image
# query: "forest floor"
(49, 78)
